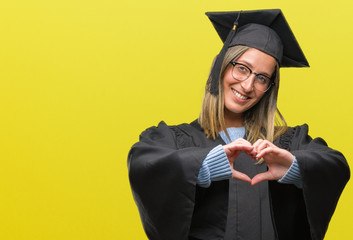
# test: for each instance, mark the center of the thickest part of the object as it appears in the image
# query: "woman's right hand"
(233, 150)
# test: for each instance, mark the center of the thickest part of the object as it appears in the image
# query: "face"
(241, 96)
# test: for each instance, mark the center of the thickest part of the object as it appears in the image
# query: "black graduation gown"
(163, 169)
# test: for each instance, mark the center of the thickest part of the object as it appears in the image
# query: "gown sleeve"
(324, 173)
(163, 179)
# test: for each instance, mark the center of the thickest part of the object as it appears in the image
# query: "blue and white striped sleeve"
(215, 167)
(292, 176)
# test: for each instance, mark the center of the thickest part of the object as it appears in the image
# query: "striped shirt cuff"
(215, 167)
(292, 176)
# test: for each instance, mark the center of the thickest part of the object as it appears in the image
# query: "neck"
(233, 119)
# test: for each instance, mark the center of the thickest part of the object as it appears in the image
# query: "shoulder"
(298, 138)
(293, 136)
(160, 133)
(181, 135)
(303, 129)
(163, 129)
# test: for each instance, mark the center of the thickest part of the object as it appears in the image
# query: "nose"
(248, 84)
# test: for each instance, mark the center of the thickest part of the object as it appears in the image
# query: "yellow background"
(80, 79)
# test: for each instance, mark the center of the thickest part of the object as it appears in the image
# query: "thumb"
(241, 176)
(261, 177)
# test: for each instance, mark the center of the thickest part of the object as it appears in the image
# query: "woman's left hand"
(278, 161)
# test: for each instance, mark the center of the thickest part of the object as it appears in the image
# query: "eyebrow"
(249, 65)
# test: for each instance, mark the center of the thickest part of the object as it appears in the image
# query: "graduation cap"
(265, 30)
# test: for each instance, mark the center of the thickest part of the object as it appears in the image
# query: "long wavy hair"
(263, 120)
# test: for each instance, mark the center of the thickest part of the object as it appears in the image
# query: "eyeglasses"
(241, 72)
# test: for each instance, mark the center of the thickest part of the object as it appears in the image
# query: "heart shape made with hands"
(278, 160)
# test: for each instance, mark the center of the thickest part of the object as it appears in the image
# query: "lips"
(239, 95)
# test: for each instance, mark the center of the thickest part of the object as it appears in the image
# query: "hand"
(233, 150)
(278, 161)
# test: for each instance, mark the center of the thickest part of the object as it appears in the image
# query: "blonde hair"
(263, 120)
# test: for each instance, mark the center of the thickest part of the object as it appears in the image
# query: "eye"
(262, 79)
(242, 68)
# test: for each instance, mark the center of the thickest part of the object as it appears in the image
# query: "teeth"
(239, 95)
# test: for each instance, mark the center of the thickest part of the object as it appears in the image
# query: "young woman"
(238, 172)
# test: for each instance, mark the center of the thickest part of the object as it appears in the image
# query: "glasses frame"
(271, 83)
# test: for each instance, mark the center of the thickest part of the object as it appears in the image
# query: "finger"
(257, 143)
(266, 151)
(234, 151)
(278, 155)
(238, 147)
(242, 140)
(264, 144)
(241, 176)
(231, 153)
(261, 177)
(233, 156)
(251, 153)
(236, 143)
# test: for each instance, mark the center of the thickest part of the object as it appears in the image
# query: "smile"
(240, 95)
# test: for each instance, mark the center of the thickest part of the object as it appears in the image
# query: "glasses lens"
(240, 72)
(262, 83)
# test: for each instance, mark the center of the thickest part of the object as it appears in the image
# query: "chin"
(236, 109)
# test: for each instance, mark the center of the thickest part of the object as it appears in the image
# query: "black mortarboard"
(266, 30)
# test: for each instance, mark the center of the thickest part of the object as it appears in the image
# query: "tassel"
(216, 70)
